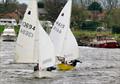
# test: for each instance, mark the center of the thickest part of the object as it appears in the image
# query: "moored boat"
(104, 41)
(8, 33)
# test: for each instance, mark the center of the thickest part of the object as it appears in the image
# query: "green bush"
(40, 5)
(1, 29)
(116, 29)
(17, 29)
(7, 8)
(90, 25)
(95, 6)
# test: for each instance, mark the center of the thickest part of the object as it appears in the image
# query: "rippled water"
(100, 66)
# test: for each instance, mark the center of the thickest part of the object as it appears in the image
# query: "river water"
(100, 66)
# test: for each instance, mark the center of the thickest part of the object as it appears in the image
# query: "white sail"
(70, 48)
(62, 37)
(26, 38)
(33, 43)
(46, 49)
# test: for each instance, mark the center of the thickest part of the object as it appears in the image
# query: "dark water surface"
(100, 66)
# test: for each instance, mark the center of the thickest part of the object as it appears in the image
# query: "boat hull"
(8, 38)
(106, 45)
(65, 67)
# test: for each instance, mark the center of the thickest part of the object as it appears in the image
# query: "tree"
(3, 1)
(8, 6)
(112, 4)
(95, 6)
(79, 14)
(116, 29)
(9, 1)
(40, 4)
(85, 3)
(53, 8)
(113, 18)
(96, 10)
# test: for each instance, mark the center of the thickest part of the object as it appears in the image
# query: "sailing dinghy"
(33, 44)
(63, 39)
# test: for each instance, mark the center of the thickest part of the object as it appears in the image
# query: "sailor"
(62, 60)
(51, 68)
(74, 62)
(36, 68)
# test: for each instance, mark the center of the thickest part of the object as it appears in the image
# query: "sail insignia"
(29, 12)
(62, 14)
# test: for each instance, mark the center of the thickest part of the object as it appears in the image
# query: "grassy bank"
(84, 37)
(89, 34)
(1, 29)
(16, 29)
(117, 37)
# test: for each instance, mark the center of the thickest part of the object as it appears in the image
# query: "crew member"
(36, 68)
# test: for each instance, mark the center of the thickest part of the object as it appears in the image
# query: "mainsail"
(26, 38)
(46, 49)
(33, 43)
(62, 37)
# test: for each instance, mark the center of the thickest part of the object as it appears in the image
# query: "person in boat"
(71, 63)
(36, 68)
(62, 60)
(51, 68)
(66, 66)
(74, 62)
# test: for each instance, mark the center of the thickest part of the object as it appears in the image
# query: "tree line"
(80, 11)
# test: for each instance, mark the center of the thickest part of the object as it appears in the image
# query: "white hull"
(8, 38)
(44, 74)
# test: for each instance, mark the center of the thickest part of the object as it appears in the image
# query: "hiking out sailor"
(61, 59)
(72, 62)
(36, 68)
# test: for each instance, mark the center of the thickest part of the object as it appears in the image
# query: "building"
(8, 21)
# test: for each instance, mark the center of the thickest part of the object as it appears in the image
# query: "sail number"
(27, 33)
(28, 26)
(59, 28)
(60, 24)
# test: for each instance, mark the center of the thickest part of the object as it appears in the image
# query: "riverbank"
(85, 37)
